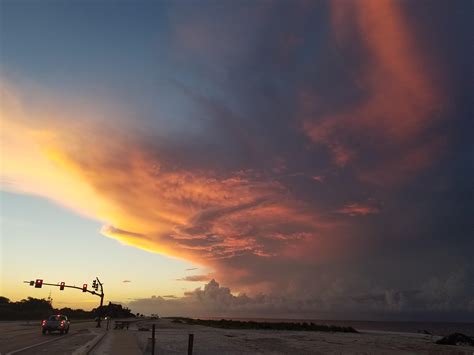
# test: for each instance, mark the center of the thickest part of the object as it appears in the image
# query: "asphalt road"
(15, 336)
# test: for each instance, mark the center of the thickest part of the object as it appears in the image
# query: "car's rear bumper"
(54, 328)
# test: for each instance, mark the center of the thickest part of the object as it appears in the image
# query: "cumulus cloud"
(213, 299)
(218, 301)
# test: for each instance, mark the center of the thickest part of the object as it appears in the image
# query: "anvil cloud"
(308, 152)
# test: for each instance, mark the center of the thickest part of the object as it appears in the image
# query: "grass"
(237, 324)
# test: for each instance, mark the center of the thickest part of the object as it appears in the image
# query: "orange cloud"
(31, 165)
(398, 101)
(110, 176)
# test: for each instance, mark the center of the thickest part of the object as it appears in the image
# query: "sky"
(303, 159)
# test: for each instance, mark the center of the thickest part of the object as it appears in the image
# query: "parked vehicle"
(57, 322)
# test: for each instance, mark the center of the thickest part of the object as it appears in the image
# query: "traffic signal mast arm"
(76, 287)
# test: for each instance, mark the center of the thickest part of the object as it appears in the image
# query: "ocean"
(436, 328)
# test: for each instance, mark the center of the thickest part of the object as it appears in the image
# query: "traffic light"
(84, 288)
(94, 284)
(61, 286)
(38, 283)
(32, 283)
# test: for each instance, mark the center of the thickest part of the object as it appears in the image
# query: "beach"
(172, 338)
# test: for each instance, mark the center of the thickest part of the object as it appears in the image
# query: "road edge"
(87, 348)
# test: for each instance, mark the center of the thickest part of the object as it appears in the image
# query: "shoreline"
(438, 328)
(172, 339)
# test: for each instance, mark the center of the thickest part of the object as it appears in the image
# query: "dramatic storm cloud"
(314, 155)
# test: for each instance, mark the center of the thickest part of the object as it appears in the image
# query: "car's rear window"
(57, 318)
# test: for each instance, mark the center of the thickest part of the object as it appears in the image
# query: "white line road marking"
(33, 346)
(42, 343)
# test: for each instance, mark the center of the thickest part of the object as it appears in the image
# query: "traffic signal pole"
(101, 292)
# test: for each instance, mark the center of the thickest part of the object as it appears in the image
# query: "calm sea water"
(437, 328)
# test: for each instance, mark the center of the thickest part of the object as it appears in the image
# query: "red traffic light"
(84, 288)
(61, 285)
(38, 283)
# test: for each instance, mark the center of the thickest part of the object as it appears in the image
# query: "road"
(22, 337)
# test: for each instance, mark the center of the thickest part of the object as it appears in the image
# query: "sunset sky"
(314, 159)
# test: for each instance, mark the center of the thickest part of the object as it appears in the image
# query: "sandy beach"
(172, 338)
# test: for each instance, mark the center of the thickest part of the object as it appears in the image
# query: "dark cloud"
(196, 278)
(126, 281)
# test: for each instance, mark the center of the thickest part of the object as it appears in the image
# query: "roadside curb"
(87, 348)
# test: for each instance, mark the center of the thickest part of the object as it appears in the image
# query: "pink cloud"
(399, 102)
(358, 209)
